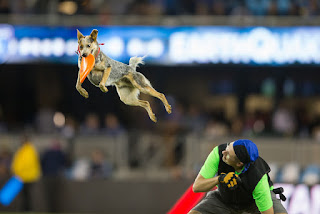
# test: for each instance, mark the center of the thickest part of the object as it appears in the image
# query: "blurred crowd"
(52, 162)
(163, 7)
(283, 120)
(51, 165)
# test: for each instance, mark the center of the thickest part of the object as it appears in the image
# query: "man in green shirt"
(243, 182)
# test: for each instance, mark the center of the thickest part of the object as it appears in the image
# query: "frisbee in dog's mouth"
(86, 66)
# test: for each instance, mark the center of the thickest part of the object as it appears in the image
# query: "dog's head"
(88, 44)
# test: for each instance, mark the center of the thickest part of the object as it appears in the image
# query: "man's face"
(229, 156)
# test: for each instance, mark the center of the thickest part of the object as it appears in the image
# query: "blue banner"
(166, 45)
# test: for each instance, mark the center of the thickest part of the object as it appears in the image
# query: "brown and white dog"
(106, 71)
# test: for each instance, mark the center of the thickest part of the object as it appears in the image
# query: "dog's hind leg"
(142, 83)
(129, 95)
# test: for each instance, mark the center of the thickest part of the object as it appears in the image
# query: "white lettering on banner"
(24, 47)
(46, 47)
(198, 50)
(2, 46)
(58, 47)
(260, 45)
(137, 47)
(36, 46)
(6, 34)
(177, 48)
(155, 48)
(209, 54)
(71, 47)
(6, 31)
(114, 46)
(301, 199)
(12, 47)
(238, 50)
(315, 199)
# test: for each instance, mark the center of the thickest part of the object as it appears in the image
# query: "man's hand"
(231, 180)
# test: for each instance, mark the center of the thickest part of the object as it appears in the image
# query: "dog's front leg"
(102, 84)
(79, 88)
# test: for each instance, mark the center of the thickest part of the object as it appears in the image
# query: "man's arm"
(202, 184)
(269, 211)
(205, 180)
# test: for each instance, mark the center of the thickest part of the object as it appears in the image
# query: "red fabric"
(187, 201)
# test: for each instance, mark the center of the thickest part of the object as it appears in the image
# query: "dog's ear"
(79, 35)
(94, 34)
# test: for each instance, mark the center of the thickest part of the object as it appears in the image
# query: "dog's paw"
(84, 93)
(168, 109)
(103, 88)
(153, 118)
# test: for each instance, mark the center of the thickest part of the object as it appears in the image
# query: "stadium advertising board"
(301, 199)
(166, 45)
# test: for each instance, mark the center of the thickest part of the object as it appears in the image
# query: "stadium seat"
(311, 175)
(290, 173)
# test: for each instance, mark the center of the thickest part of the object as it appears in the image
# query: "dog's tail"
(135, 61)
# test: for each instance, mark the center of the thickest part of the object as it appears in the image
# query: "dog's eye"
(88, 46)
(81, 46)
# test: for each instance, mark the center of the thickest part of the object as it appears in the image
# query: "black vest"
(241, 197)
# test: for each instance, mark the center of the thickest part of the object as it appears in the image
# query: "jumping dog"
(106, 72)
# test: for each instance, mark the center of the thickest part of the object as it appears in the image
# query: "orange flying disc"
(86, 66)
